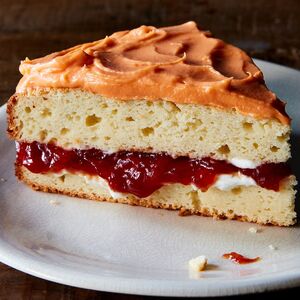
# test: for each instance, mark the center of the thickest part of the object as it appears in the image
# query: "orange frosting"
(181, 64)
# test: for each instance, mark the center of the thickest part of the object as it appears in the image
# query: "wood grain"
(266, 29)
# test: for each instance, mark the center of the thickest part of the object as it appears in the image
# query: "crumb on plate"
(253, 230)
(198, 263)
(54, 202)
(272, 247)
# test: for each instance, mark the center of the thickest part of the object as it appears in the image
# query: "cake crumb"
(54, 202)
(198, 264)
(272, 247)
(3, 179)
(253, 230)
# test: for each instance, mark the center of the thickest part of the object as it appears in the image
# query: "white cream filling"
(99, 181)
(228, 182)
(95, 181)
(243, 163)
(224, 182)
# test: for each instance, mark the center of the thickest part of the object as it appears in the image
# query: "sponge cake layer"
(74, 118)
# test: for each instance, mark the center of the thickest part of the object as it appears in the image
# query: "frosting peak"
(181, 64)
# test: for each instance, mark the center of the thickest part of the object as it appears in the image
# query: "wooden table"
(266, 29)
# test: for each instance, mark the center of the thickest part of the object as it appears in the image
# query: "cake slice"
(158, 117)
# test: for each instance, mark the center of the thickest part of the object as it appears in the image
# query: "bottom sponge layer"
(252, 204)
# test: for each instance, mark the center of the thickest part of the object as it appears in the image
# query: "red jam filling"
(240, 259)
(140, 173)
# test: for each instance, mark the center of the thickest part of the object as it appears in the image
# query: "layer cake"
(160, 117)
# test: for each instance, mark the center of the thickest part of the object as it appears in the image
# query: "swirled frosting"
(181, 64)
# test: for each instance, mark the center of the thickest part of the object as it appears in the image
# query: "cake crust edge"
(12, 129)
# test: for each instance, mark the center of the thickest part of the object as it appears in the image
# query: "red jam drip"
(140, 173)
(240, 259)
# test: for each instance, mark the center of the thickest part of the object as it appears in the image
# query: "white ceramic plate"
(119, 248)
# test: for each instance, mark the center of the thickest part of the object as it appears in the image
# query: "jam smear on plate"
(240, 259)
